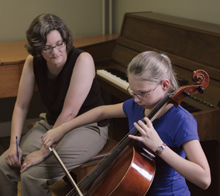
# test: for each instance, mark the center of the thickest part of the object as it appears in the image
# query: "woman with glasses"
(172, 135)
(65, 77)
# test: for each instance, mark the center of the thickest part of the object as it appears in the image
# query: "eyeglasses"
(48, 48)
(141, 95)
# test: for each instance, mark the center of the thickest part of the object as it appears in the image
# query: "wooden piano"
(191, 45)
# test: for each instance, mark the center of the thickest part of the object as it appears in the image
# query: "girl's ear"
(165, 84)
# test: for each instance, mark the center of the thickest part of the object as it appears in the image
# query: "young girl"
(172, 135)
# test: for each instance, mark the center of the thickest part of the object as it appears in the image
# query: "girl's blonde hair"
(156, 67)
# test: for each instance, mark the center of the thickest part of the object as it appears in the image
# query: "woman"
(66, 80)
(172, 135)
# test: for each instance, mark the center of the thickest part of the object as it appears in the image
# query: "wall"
(83, 17)
(202, 10)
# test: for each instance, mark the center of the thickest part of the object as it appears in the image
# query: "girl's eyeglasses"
(141, 95)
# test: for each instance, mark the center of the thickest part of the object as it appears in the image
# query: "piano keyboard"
(113, 78)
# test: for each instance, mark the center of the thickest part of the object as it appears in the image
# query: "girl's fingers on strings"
(148, 122)
(135, 137)
(139, 128)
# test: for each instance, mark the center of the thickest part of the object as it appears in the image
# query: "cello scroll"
(201, 78)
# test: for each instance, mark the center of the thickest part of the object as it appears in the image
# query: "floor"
(60, 188)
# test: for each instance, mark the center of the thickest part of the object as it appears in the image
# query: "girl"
(172, 135)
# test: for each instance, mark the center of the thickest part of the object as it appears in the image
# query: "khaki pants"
(76, 147)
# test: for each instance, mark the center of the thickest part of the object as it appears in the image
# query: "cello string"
(101, 161)
(70, 193)
(150, 115)
(73, 192)
(113, 149)
(92, 170)
(152, 112)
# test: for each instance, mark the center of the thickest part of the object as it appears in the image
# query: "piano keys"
(114, 79)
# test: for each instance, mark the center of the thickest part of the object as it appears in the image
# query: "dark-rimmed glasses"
(141, 95)
(48, 48)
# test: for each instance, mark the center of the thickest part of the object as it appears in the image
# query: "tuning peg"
(186, 94)
(200, 89)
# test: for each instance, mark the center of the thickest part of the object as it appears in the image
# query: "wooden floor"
(60, 188)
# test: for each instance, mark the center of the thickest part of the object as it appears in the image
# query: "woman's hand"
(52, 137)
(148, 136)
(11, 156)
(34, 158)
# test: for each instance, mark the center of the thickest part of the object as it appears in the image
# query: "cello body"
(135, 170)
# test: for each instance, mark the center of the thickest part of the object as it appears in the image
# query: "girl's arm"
(195, 169)
(53, 136)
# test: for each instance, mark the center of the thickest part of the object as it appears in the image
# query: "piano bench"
(81, 171)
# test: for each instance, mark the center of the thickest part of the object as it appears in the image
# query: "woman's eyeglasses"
(48, 48)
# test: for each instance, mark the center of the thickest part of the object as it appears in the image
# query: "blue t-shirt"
(175, 127)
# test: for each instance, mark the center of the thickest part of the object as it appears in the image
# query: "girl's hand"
(52, 137)
(148, 136)
(11, 156)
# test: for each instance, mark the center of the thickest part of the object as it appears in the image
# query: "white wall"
(203, 10)
(83, 17)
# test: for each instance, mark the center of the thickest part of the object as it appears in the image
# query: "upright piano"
(191, 45)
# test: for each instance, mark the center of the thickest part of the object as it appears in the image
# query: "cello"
(133, 171)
